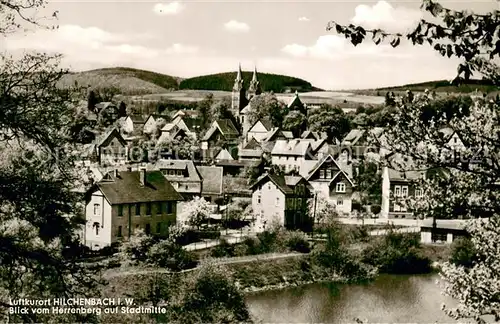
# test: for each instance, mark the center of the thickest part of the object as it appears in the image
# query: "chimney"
(129, 169)
(142, 176)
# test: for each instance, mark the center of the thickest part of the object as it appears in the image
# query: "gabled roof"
(276, 132)
(192, 171)
(265, 122)
(224, 154)
(293, 147)
(185, 112)
(395, 175)
(313, 135)
(295, 100)
(136, 119)
(320, 163)
(212, 179)
(127, 189)
(225, 127)
(355, 135)
(107, 137)
(252, 145)
(341, 173)
(284, 183)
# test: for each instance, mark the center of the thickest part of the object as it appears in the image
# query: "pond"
(388, 299)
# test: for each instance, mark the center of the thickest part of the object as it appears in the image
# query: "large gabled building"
(126, 201)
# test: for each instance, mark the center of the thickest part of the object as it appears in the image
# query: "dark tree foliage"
(472, 37)
(225, 81)
(122, 109)
(40, 210)
(331, 120)
(204, 108)
(92, 100)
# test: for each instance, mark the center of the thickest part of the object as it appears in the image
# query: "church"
(241, 97)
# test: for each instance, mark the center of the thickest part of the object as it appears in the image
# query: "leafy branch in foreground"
(475, 38)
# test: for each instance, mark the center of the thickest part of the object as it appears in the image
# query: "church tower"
(239, 94)
(254, 88)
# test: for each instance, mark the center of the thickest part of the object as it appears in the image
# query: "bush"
(253, 245)
(376, 209)
(297, 241)
(267, 241)
(136, 248)
(240, 250)
(224, 249)
(463, 252)
(397, 253)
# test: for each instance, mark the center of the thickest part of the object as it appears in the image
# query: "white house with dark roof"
(280, 200)
(333, 183)
(212, 182)
(259, 130)
(132, 124)
(126, 201)
(291, 154)
(252, 151)
(182, 174)
(360, 141)
(151, 123)
(188, 125)
(222, 131)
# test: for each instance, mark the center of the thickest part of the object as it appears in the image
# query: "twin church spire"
(254, 87)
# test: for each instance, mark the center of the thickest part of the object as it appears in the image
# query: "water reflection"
(390, 298)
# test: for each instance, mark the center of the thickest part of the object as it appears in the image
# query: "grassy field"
(441, 86)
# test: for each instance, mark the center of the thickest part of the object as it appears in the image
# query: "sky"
(190, 38)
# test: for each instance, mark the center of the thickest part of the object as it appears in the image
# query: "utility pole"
(227, 211)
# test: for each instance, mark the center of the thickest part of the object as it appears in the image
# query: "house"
(188, 125)
(183, 175)
(107, 112)
(221, 131)
(259, 130)
(252, 151)
(225, 154)
(358, 142)
(189, 113)
(111, 148)
(281, 200)
(152, 122)
(296, 104)
(124, 202)
(132, 123)
(212, 183)
(399, 185)
(313, 135)
(291, 154)
(445, 231)
(333, 183)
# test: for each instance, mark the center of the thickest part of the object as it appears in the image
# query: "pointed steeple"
(254, 77)
(238, 82)
(254, 88)
(238, 76)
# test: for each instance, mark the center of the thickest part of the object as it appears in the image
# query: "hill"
(127, 80)
(268, 82)
(437, 86)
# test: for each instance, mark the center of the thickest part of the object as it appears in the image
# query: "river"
(388, 299)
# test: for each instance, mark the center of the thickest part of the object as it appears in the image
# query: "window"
(119, 234)
(137, 209)
(438, 237)
(179, 172)
(340, 202)
(404, 191)
(258, 199)
(148, 209)
(158, 209)
(96, 226)
(328, 174)
(340, 187)
(397, 191)
(322, 174)
(277, 201)
(268, 186)
(158, 227)
(97, 209)
(186, 187)
(148, 229)
(168, 207)
(419, 193)
(120, 210)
